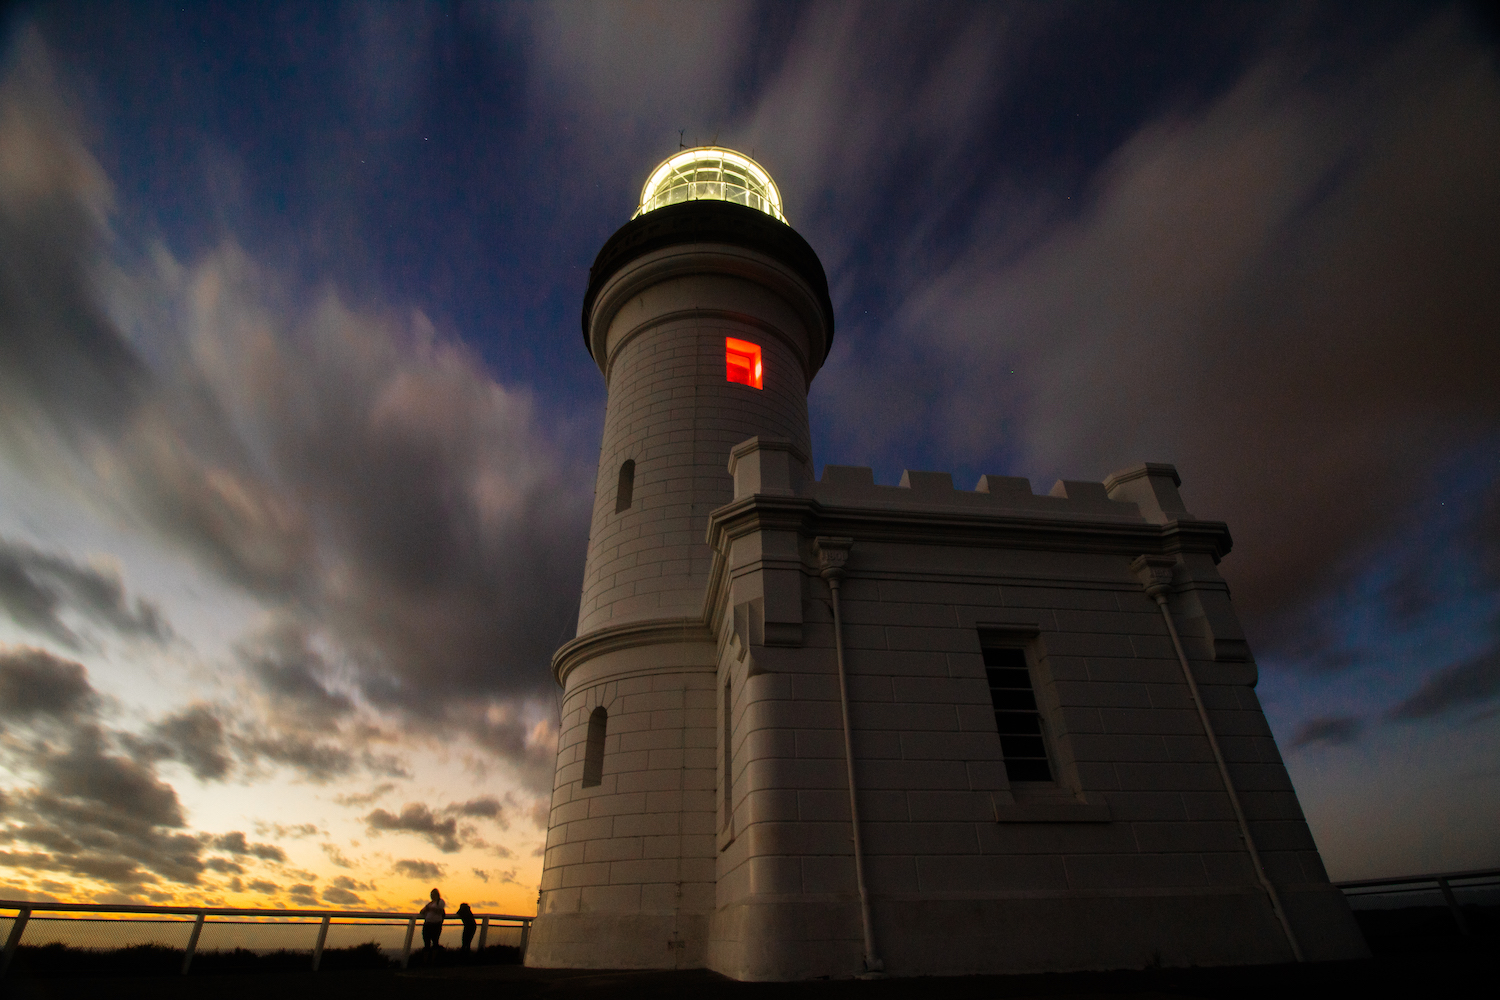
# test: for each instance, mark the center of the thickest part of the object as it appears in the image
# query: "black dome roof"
(707, 221)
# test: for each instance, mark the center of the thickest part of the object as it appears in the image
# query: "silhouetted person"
(470, 924)
(432, 921)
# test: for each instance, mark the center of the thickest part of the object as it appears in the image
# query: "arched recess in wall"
(593, 752)
(625, 492)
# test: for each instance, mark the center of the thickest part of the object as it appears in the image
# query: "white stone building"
(819, 727)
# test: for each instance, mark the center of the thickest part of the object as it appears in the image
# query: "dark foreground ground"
(1416, 955)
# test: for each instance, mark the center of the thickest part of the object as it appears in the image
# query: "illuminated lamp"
(742, 362)
(711, 173)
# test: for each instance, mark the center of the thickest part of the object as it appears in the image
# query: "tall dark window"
(1016, 715)
(728, 755)
(593, 752)
(625, 492)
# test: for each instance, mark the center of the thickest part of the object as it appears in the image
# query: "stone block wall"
(638, 848)
(674, 413)
(967, 872)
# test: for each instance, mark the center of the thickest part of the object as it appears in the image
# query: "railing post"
(16, 930)
(525, 937)
(318, 948)
(1458, 914)
(484, 932)
(411, 927)
(192, 945)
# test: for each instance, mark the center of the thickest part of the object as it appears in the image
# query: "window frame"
(1025, 644)
(625, 486)
(593, 747)
(754, 363)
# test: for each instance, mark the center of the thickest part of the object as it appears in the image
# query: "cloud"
(422, 871)
(613, 62)
(336, 856)
(295, 831)
(212, 739)
(365, 798)
(441, 827)
(99, 814)
(485, 807)
(303, 893)
(345, 882)
(342, 897)
(37, 587)
(85, 413)
(195, 736)
(1335, 730)
(317, 761)
(262, 886)
(386, 765)
(92, 811)
(411, 522)
(62, 361)
(35, 683)
(1464, 684)
(1285, 290)
(418, 819)
(235, 843)
(292, 672)
(481, 874)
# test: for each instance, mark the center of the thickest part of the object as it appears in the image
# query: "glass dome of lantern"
(711, 172)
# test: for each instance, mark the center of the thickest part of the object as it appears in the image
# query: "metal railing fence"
(1441, 882)
(113, 926)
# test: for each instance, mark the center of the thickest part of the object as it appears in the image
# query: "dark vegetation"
(50, 960)
(1428, 930)
(1418, 952)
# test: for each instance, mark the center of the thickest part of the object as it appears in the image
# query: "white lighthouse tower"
(709, 316)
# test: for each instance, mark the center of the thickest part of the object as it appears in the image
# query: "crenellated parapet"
(1146, 492)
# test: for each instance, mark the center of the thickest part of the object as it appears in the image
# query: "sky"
(298, 434)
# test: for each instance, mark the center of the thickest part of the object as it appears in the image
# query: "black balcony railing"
(1444, 883)
(101, 927)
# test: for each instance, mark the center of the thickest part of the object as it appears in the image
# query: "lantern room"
(714, 173)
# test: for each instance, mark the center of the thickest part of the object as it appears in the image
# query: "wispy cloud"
(1463, 685)
(38, 588)
(85, 807)
(357, 470)
(1335, 730)
(417, 869)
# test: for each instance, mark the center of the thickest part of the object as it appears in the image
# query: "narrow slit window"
(728, 757)
(742, 362)
(593, 753)
(625, 492)
(1016, 715)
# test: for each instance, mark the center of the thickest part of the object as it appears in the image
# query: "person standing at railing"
(470, 924)
(432, 921)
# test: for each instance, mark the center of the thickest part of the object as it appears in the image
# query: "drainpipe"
(833, 553)
(1156, 574)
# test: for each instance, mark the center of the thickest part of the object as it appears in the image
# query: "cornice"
(966, 527)
(809, 517)
(715, 222)
(708, 258)
(631, 635)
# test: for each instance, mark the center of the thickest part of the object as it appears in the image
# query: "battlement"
(1142, 492)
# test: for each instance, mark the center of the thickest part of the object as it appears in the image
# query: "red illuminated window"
(742, 362)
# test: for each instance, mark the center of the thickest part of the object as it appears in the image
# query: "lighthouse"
(708, 316)
(814, 726)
